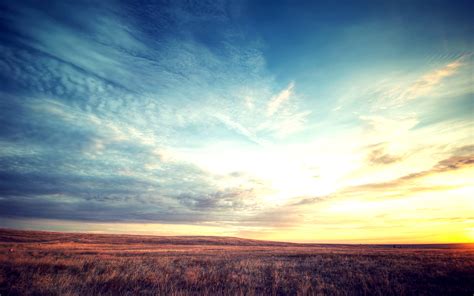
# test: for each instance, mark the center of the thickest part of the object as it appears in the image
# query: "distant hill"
(26, 236)
(29, 236)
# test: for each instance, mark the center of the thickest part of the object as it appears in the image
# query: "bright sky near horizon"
(312, 121)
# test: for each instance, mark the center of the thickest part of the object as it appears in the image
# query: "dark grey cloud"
(115, 198)
(233, 199)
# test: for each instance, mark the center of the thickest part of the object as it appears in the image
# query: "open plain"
(47, 263)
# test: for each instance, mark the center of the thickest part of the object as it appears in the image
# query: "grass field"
(45, 263)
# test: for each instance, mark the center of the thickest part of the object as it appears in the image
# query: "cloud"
(280, 99)
(379, 156)
(307, 200)
(425, 84)
(129, 112)
(388, 126)
(401, 186)
(285, 124)
(174, 197)
(445, 77)
(464, 150)
(241, 130)
(318, 210)
(403, 90)
(455, 162)
(233, 199)
(94, 108)
(408, 183)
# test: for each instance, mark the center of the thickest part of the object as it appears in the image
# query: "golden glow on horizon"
(418, 217)
(435, 207)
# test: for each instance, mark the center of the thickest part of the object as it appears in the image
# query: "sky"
(305, 121)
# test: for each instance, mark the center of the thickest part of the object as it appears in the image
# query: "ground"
(47, 263)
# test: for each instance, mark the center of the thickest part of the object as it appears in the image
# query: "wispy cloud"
(446, 165)
(100, 99)
(278, 100)
(405, 91)
(398, 90)
(404, 185)
(237, 127)
(425, 84)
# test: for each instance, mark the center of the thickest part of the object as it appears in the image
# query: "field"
(46, 263)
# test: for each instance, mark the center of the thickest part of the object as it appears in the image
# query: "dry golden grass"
(41, 263)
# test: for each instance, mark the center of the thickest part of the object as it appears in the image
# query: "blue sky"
(270, 119)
